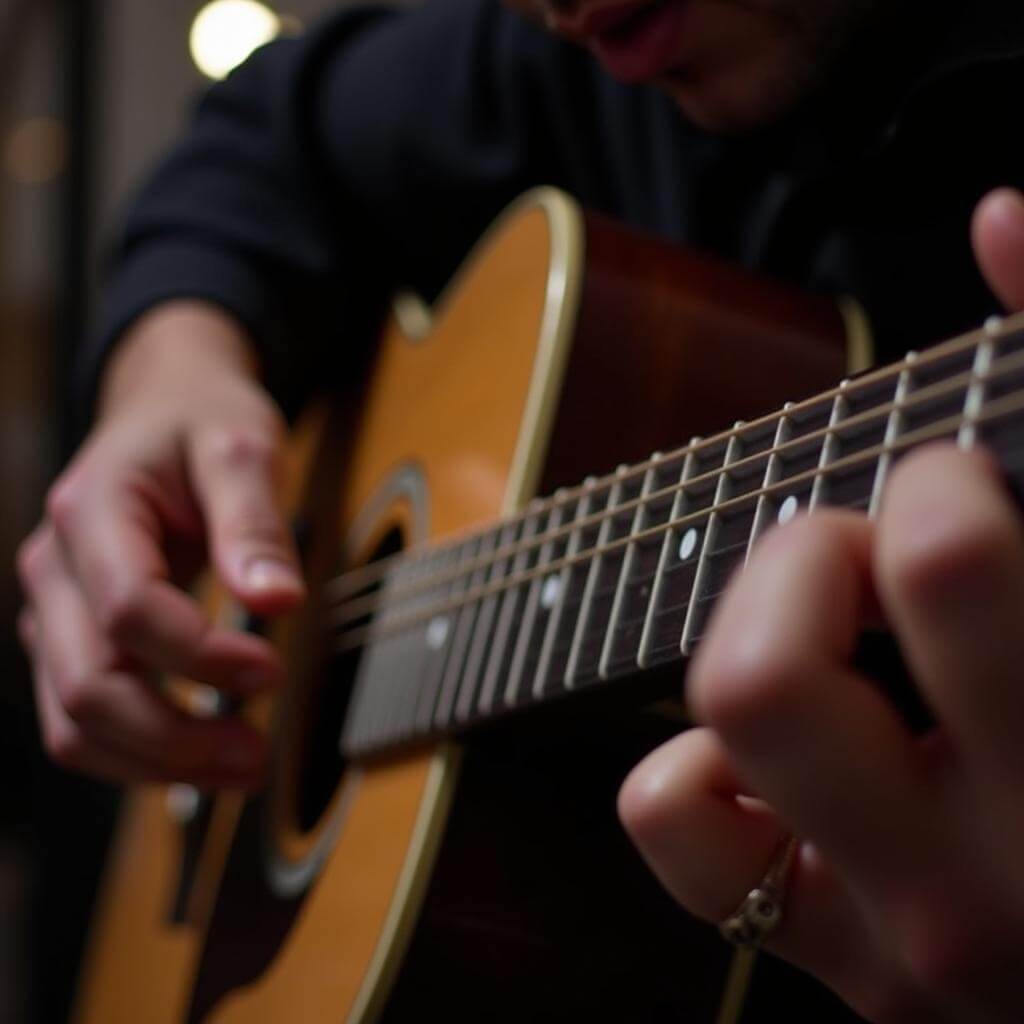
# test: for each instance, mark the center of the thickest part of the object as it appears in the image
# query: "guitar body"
(378, 890)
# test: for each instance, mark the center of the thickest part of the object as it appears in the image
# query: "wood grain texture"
(673, 344)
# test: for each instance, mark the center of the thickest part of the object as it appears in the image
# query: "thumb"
(997, 232)
(233, 472)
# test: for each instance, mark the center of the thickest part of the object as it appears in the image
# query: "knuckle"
(745, 682)
(26, 628)
(945, 554)
(63, 500)
(945, 523)
(79, 694)
(244, 445)
(66, 745)
(640, 805)
(743, 675)
(259, 528)
(120, 610)
(30, 559)
(658, 795)
(819, 535)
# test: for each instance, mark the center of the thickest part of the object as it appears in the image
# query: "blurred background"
(90, 93)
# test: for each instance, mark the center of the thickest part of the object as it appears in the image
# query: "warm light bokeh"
(225, 32)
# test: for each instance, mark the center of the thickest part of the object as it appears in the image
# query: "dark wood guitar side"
(358, 889)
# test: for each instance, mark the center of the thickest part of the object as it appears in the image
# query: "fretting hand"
(907, 895)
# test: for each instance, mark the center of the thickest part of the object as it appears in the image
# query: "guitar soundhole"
(322, 764)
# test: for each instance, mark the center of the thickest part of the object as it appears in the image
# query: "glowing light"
(225, 32)
(36, 151)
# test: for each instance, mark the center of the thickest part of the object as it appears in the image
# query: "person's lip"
(584, 25)
(636, 41)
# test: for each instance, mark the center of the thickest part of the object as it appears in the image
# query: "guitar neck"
(618, 576)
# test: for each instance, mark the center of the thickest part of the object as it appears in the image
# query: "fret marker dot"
(437, 632)
(182, 802)
(205, 701)
(788, 509)
(551, 592)
(688, 544)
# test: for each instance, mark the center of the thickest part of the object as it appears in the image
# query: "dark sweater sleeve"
(231, 215)
(330, 169)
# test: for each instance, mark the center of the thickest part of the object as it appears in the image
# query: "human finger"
(997, 232)
(65, 741)
(950, 570)
(234, 469)
(680, 806)
(709, 844)
(817, 739)
(71, 746)
(110, 534)
(93, 702)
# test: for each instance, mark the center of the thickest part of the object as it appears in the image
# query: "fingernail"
(271, 574)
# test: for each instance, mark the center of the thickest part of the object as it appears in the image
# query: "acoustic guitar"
(464, 630)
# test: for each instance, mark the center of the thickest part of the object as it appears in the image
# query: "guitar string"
(359, 607)
(359, 579)
(355, 580)
(379, 742)
(357, 637)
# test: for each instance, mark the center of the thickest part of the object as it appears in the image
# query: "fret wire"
(974, 400)
(660, 575)
(950, 424)
(461, 641)
(382, 694)
(520, 654)
(476, 656)
(357, 579)
(380, 698)
(506, 616)
(728, 532)
(740, 545)
(359, 607)
(772, 472)
(732, 455)
(400, 706)
(440, 650)
(362, 703)
(840, 407)
(551, 634)
(892, 430)
(583, 619)
(627, 565)
(419, 693)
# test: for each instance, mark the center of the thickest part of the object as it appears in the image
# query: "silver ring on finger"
(761, 911)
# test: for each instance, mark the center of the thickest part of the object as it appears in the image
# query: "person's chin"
(728, 104)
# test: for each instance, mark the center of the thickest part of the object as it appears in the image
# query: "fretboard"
(615, 578)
